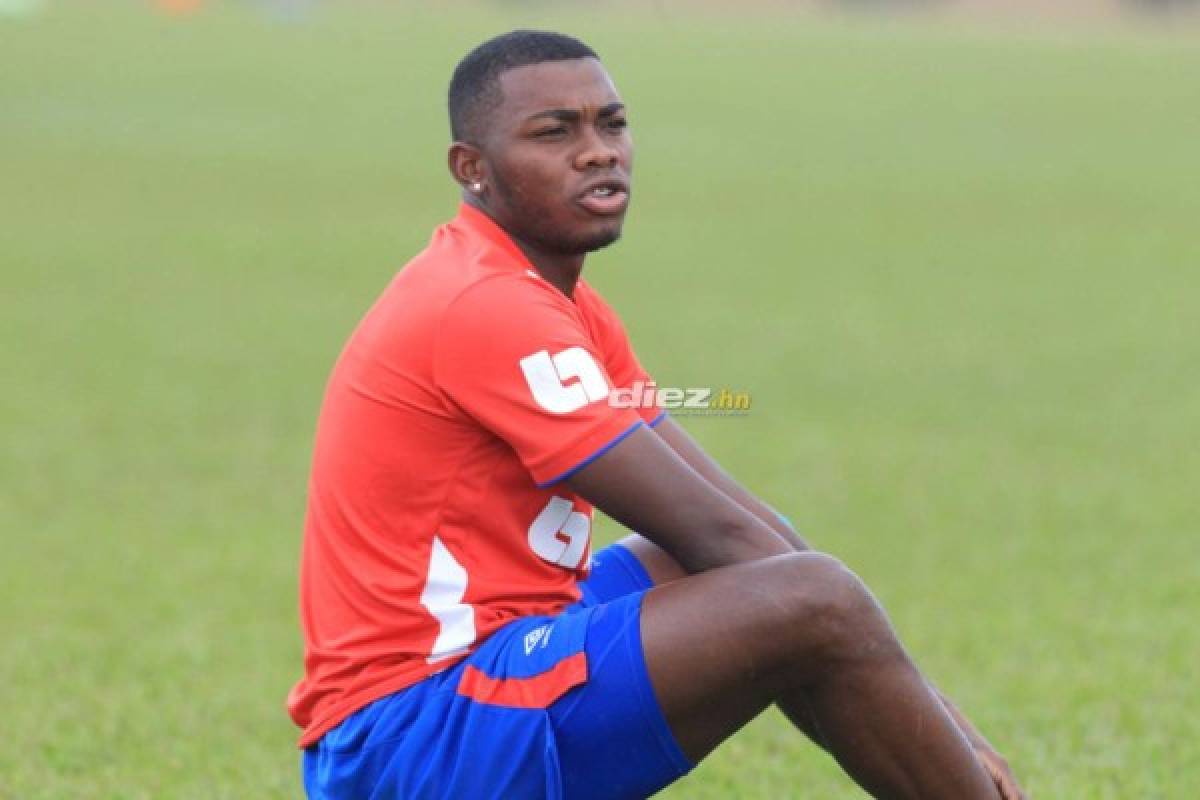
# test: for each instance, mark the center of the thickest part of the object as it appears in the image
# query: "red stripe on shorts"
(538, 691)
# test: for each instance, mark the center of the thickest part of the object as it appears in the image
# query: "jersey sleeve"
(619, 358)
(512, 355)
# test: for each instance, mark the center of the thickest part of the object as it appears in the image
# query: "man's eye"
(550, 132)
(618, 124)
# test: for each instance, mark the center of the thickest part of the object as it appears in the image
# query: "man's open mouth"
(605, 198)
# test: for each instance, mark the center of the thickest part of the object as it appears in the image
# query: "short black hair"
(475, 87)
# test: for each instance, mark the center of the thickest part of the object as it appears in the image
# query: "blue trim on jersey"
(593, 456)
(654, 422)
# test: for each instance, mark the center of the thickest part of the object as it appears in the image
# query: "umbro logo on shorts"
(535, 637)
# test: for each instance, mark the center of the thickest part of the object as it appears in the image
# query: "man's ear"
(467, 166)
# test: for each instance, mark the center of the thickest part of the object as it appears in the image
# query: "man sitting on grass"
(461, 639)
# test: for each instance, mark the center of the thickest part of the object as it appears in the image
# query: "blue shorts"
(559, 708)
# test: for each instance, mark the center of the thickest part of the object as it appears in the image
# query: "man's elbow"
(735, 539)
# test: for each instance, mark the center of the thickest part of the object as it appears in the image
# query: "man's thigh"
(613, 740)
(618, 570)
(656, 564)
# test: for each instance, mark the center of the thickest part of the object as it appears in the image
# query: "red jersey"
(436, 512)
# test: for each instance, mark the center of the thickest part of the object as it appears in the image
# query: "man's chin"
(601, 241)
(598, 238)
(580, 243)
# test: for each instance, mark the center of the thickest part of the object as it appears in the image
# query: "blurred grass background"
(957, 269)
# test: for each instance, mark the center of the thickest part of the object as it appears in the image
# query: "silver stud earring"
(476, 187)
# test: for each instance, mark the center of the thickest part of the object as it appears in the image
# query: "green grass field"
(958, 270)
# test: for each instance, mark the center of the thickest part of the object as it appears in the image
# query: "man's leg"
(661, 568)
(803, 631)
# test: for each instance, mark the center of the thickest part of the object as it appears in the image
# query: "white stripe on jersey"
(445, 585)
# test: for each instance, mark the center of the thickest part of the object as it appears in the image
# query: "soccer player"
(462, 640)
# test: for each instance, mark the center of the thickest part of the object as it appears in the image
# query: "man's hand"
(1001, 774)
(995, 764)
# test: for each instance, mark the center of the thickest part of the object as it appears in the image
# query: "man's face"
(559, 156)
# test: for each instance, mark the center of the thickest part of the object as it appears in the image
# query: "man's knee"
(829, 612)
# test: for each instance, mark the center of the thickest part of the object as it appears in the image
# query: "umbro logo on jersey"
(536, 636)
(564, 382)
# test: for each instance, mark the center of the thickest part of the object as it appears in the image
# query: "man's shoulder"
(505, 297)
(598, 310)
(460, 264)
(588, 298)
(447, 279)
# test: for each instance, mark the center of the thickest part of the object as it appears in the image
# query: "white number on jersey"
(548, 379)
(560, 534)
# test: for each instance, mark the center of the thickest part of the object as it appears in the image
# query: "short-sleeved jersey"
(436, 511)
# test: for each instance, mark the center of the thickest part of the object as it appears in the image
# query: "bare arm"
(690, 451)
(646, 486)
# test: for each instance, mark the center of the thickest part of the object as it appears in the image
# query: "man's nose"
(598, 154)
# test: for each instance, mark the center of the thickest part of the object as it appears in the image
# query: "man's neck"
(562, 271)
